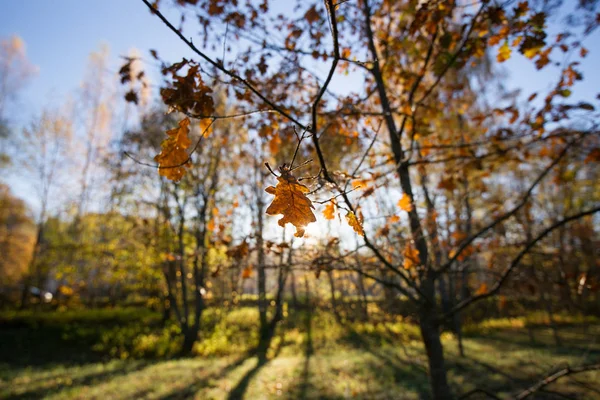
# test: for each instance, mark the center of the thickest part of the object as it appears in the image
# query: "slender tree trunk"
(293, 289)
(430, 333)
(334, 305)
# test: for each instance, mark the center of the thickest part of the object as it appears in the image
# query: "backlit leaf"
(504, 52)
(355, 223)
(404, 203)
(411, 256)
(291, 201)
(329, 211)
(173, 159)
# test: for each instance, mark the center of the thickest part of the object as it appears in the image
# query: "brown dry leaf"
(173, 158)
(291, 201)
(404, 203)
(355, 223)
(329, 211)
(312, 15)
(593, 156)
(411, 256)
(240, 251)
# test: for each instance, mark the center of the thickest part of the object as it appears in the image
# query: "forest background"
(438, 162)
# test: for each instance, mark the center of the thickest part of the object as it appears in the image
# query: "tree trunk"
(334, 305)
(435, 354)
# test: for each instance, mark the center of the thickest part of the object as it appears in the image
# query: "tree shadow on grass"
(309, 350)
(239, 390)
(85, 380)
(190, 390)
(543, 342)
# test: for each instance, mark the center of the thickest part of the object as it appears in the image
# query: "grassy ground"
(124, 354)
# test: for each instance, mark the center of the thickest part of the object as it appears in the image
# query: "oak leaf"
(173, 159)
(291, 201)
(355, 223)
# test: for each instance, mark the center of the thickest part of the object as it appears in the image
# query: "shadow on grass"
(191, 390)
(239, 390)
(572, 346)
(87, 379)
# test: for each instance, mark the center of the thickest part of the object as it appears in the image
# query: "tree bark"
(435, 354)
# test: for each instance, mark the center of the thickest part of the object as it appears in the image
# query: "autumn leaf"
(483, 289)
(240, 251)
(188, 94)
(173, 158)
(393, 219)
(447, 184)
(593, 156)
(247, 272)
(411, 256)
(404, 203)
(329, 211)
(312, 15)
(503, 52)
(291, 201)
(355, 223)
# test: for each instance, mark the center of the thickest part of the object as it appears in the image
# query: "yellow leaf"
(531, 52)
(411, 256)
(291, 201)
(359, 183)
(206, 126)
(211, 225)
(503, 52)
(404, 203)
(355, 223)
(173, 158)
(329, 211)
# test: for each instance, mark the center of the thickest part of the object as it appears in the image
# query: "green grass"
(312, 357)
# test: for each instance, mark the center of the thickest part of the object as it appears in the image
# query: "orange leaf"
(291, 201)
(483, 289)
(173, 158)
(404, 203)
(247, 272)
(329, 211)
(411, 256)
(355, 223)
(274, 144)
(593, 156)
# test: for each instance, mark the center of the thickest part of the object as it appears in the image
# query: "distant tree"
(17, 236)
(15, 72)
(42, 156)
